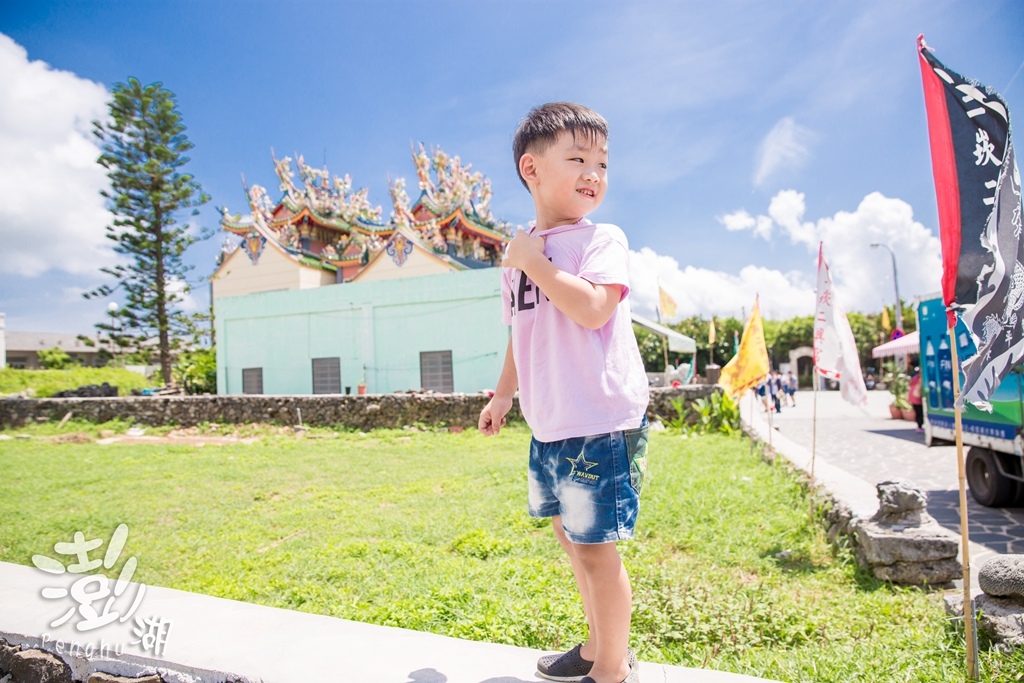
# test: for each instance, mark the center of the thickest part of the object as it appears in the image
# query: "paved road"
(868, 443)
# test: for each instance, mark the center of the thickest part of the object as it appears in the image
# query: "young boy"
(582, 388)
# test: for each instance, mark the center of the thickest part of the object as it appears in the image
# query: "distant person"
(915, 396)
(582, 388)
(775, 390)
(762, 392)
(791, 384)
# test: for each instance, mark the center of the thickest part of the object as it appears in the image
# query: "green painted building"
(440, 332)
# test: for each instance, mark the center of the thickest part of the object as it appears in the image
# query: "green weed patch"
(46, 383)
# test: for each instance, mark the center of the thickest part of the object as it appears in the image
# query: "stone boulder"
(888, 545)
(6, 652)
(1000, 619)
(1003, 577)
(901, 503)
(902, 543)
(37, 666)
(101, 677)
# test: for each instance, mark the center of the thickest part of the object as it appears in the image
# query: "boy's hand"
(523, 250)
(492, 417)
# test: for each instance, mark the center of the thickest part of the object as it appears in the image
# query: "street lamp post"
(896, 284)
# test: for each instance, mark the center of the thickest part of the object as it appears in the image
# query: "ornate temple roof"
(325, 223)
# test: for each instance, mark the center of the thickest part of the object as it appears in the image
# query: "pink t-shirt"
(575, 381)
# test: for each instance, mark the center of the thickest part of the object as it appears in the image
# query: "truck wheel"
(988, 487)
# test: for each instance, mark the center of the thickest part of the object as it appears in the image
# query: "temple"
(320, 293)
(321, 232)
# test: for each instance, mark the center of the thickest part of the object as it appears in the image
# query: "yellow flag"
(750, 365)
(666, 303)
(711, 332)
(885, 319)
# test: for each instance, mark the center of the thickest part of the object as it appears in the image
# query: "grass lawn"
(48, 382)
(428, 530)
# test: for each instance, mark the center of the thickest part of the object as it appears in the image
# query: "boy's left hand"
(523, 250)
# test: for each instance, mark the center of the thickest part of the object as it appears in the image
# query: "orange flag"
(666, 304)
(750, 364)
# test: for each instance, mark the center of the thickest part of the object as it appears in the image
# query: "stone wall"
(356, 412)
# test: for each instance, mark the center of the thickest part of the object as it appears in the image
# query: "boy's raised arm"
(584, 302)
(492, 417)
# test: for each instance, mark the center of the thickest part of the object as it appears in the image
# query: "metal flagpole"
(969, 630)
(814, 437)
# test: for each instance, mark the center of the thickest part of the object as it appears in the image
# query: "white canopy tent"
(677, 343)
(908, 343)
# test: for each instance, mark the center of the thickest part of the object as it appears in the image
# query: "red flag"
(977, 186)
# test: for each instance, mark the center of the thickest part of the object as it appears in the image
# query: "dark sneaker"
(570, 667)
(633, 677)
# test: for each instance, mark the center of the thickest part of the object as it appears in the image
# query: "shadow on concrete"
(435, 676)
(902, 434)
(426, 676)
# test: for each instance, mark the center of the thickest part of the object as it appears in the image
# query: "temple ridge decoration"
(321, 221)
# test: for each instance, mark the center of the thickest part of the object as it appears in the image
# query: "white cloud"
(52, 216)
(862, 273)
(785, 147)
(761, 226)
(699, 291)
(787, 209)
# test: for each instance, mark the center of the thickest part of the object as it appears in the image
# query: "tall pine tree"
(144, 146)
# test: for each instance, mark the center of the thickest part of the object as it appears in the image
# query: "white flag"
(835, 351)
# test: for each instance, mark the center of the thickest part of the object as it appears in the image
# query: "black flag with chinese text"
(977, 186)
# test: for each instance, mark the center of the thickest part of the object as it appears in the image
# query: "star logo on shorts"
(579, 463)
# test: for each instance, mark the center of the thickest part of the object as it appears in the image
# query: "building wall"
(275, 271)
(418, 264)
(381, 325)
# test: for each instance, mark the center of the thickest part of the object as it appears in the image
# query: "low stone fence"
(355, 412)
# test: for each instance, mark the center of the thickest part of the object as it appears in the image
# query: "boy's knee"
(597, 557)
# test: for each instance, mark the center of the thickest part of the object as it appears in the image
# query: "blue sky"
(741, 132)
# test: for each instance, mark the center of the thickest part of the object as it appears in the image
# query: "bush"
(898, 384)
(196, 371)
(717, 414)
(55, 359)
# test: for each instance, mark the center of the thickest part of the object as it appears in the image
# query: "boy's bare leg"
(607, 603)
(589, 648)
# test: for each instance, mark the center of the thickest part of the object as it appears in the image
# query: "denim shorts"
(593, 482)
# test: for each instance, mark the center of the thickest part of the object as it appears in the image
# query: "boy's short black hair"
(541, 127)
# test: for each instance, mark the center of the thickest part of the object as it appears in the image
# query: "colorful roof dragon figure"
(320, 219)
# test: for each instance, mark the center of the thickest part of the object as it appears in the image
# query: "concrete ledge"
(220, 641)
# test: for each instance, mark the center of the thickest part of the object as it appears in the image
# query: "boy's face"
(568, 179)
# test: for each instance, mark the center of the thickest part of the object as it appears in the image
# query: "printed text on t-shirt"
(526, 295)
